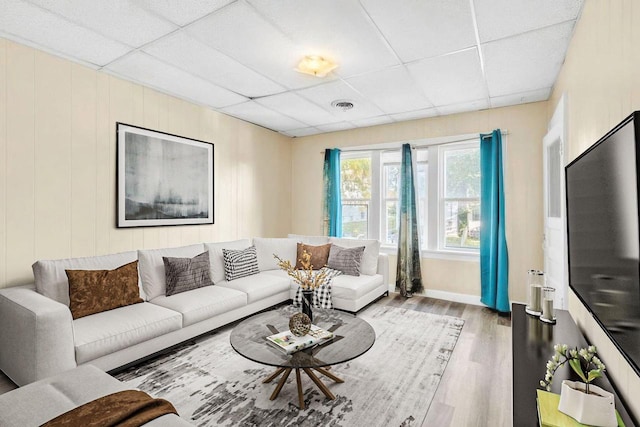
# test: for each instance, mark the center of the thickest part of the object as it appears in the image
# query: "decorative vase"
(299, 324)
(307, 302)
(595, 409)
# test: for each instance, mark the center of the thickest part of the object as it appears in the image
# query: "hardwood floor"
(475, 389)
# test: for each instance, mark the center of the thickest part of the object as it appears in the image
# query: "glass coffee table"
(352, 338)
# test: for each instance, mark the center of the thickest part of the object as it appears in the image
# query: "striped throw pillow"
(240, 263)
(347, 260)
(186, 274)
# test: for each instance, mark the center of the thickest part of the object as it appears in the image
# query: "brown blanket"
(129, 408)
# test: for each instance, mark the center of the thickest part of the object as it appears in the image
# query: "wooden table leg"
(328, 374)
(300, 395)
(280, 384)
(319, 383)
(273, 376)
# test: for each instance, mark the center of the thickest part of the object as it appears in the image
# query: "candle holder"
(548, 312)
(535, 281)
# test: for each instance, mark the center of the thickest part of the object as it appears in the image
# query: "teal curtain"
(408, 274)
(332, 196)
(494, 257)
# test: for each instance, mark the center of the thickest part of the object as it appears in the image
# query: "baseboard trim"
(455, 297)
(447, 296)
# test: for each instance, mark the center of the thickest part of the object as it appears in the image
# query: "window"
(460, 200)
(356, 195)
(447, 191)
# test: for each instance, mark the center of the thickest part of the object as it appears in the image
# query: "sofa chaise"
(39, 337)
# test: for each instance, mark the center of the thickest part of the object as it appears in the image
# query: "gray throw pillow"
(186, 274)
(240, 263)
(347, 260)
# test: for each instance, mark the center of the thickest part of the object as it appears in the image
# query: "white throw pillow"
(369, 265)
(266, 247)
(51, 279)
(216, 259)
(151, 266)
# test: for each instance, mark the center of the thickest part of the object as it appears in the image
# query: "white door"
(555, 258)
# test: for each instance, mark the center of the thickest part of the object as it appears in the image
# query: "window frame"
(433, 213)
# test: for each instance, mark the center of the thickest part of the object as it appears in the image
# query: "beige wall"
(523, 189)
(600, 81)
(57, 164)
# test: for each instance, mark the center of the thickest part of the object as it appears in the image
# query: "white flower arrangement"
(584, 362)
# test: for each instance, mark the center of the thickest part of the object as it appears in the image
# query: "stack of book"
(290, 343)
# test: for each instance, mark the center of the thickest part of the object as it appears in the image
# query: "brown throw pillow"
(319, 255)
(95, 291)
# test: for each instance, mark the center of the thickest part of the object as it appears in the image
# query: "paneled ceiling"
(398, 59)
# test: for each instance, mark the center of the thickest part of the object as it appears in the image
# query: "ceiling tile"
(392, 89)
(325, 94)
(189, 54)
(121, 20)
(503, 18)
(417, 114)
(521, 98)
(526, 62)
(423, 29)
(298, 108)
(349, 37)
(333, 127)
(450, 79)
(302, 132)
(372, 121)
(176, 11)
(33, 24)
(149, 71)
(241, 33)
(255, 113)
(463, 107)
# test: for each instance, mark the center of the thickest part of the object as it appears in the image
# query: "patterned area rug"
(390, 385)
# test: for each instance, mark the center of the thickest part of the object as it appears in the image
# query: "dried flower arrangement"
(307, 278)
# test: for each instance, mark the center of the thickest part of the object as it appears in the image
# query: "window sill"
(431, 254)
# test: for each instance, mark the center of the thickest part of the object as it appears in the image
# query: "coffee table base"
(309, 371)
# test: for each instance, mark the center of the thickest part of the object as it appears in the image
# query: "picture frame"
(162, 179)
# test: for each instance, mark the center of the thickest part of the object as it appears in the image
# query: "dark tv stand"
(532, 344)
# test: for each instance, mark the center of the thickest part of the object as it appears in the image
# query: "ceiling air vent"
(342, 104)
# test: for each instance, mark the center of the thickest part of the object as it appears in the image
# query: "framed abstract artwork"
(162, 179)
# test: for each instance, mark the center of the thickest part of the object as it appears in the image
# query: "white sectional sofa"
(39, 338)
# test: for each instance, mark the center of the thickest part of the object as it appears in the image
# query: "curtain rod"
(355, 150)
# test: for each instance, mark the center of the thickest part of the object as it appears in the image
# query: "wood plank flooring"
(475, 389)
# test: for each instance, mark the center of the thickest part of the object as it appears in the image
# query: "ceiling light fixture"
(316, 66)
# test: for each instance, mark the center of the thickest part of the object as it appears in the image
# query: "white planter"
(592, 409)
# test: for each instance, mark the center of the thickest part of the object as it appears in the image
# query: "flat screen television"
(602, 188)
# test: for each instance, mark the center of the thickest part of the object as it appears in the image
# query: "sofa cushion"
(51, 279)
(352, 287)
(94, 291)
(259, 286)
(151, 266)
(267, 247)
(319, 255)
(204, 303)
(215, 256)
(346, 260)
(110, 331)
(186, 274)
(309, 240)
(369, 264)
